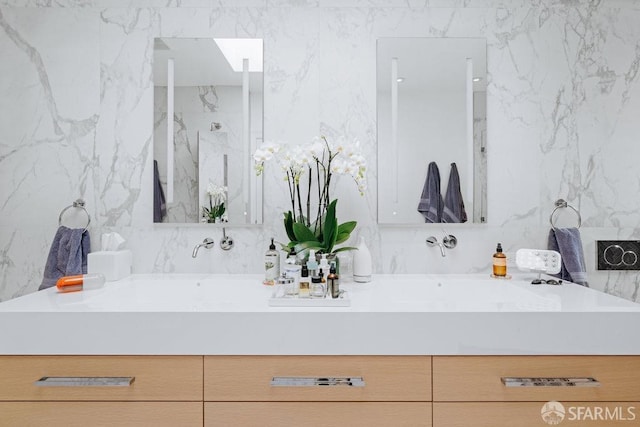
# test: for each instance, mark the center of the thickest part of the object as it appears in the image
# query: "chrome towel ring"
(561, 204)
(79, 203)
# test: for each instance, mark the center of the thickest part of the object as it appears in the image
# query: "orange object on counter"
(70, 283)
(80, 282)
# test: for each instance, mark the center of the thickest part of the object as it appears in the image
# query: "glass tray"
(344, 301)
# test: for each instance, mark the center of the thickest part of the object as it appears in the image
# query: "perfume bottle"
(305, 286)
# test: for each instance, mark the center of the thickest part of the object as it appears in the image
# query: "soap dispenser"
(499, 262)
(362, 264)
(271, 264)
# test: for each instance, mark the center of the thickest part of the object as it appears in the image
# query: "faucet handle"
(449, 241)
(227, 242)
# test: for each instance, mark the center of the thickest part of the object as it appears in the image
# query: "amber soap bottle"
(499, 262)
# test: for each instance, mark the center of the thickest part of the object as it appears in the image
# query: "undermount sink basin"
(173, 293)
(463, 294)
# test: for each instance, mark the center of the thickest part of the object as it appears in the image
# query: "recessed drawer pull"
(317, 381)
(85, 381)
(550, 382)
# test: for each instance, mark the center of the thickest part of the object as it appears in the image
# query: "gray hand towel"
(567, 241)
(67, 256)
(430, 205)
(159, 203)
(453, 210)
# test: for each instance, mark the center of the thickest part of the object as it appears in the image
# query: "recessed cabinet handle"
(550, 382)
(85, 381)
(317, 382)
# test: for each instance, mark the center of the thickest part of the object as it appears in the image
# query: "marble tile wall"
(76, 98)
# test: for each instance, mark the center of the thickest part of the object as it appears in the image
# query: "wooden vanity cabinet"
(101, 390)
(216, 390)
(356, 390)
(98, 414)
(374, 391)
(469, 390)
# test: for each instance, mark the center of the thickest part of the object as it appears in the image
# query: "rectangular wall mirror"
(431, 98)
(203, 169)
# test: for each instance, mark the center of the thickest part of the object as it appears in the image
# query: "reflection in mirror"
(431, 97)
(217, 108)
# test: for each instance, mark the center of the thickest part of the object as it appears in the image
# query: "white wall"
(76, 98)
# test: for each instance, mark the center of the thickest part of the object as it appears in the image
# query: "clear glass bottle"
(312, 264)
(281, 286)
(324, 266)
(317, 288)
(271, 264)
(305, 286)
(292, 271)
(499, 262)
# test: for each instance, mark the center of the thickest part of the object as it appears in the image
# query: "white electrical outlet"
(538, 260)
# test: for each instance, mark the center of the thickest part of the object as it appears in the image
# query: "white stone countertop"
(393, 315)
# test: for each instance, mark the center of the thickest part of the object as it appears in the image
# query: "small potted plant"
(217, 198)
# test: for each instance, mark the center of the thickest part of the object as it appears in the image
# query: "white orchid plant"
(216, 212)
(316, 162)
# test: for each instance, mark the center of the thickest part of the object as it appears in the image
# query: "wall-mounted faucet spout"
(433, 241)
(207, 243)
(449, 242)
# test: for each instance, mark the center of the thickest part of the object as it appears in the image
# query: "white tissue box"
(114, 265)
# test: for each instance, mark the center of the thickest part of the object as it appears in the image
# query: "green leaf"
(344, 231)
(330, 231)
(285, 248)
(288, 226)
(347, 227)
(303, 233)
(342, 237)
(305, 246)
(345, 248)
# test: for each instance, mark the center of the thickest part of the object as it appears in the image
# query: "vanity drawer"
(530, 414)
(154, 377)
(318, 414)
(479, 378)
(96, 414)
(385, 378)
